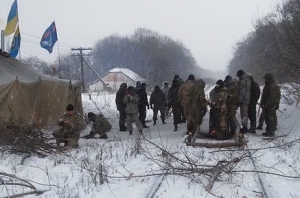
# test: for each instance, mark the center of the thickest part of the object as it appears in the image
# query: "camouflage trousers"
(130, 117)
(231, 119)
(271, 119)
(252, 116)
(65, 134)
(244, 114)
(217, 122)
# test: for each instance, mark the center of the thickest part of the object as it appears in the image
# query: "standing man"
(270, 103)
(244, 98)
(143, 103)
(186, 98)
(232, 103)
(173, 102)
(100, 126)
(71, 124)
(121, 106)
(254, 96)
(158, 99)
(131, 100)
(165, 90)
(218, 125)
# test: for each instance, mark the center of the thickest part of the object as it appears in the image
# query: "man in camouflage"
(185, 98)
(158, 102)
(232, 103)
(121, 106)
(218, 125)
(100, 126)
(131, 100)
(71, 124)
(244, 98)
(192, 98)
(270, 103)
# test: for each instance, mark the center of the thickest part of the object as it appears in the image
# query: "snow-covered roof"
(134, 76)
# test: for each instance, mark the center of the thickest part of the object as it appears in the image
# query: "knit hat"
(191, 77)
(70, 107)
(268, 76)
(220, 83)
(91, 115)
(240, 73)
(228, 78)
(176, 76)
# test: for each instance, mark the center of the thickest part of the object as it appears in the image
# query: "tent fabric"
(29, 97)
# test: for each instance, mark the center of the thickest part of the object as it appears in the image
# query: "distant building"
(114, 78)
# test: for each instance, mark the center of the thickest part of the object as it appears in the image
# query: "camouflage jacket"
(232, 91)
(244, 89)
(184, 93)
(271, 95)
(158, 98)
(75, 123)
(221, 97)
(101, 124)
(131, 103)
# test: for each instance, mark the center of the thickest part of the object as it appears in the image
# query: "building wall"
(97, 86)
(114, 80)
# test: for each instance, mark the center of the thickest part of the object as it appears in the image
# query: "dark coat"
(119, 99)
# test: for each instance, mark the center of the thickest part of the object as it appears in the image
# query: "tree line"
(155, 57)
(273, 46)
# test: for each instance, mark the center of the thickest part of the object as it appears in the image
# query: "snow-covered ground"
(139, 166)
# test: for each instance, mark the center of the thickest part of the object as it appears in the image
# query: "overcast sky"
(209, 28)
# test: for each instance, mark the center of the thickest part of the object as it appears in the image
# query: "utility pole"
(81, 61)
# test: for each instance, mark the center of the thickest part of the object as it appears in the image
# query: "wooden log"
(217, 145)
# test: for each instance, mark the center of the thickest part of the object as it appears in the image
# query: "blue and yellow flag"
(12, 19)
(49, 38)
(16, 43)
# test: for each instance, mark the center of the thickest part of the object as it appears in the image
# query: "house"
(114, 78)
(30, 97)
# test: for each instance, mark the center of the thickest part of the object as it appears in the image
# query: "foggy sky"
(209, 28)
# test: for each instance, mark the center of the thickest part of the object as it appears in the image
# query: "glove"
(169, 106)
(165, 105)
(277, 106)
(148, 107)
(151, 107)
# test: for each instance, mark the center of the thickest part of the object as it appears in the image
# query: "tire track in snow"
(260, 177)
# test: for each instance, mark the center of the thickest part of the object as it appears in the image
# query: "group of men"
(71, 125)
(188, 102)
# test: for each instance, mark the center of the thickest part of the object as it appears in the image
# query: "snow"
(76, 173)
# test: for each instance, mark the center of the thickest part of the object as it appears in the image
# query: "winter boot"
(154, 122)
(88, 136)
(123, 128)
(244, 130)
(175, 129)
(130, 132)
(145, 126)
(163, 121)
(269, 134)
(104, 136)
(141, 132)
(259, 127)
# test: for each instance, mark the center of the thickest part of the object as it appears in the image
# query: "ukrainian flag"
(12, 19)
(16, 43)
